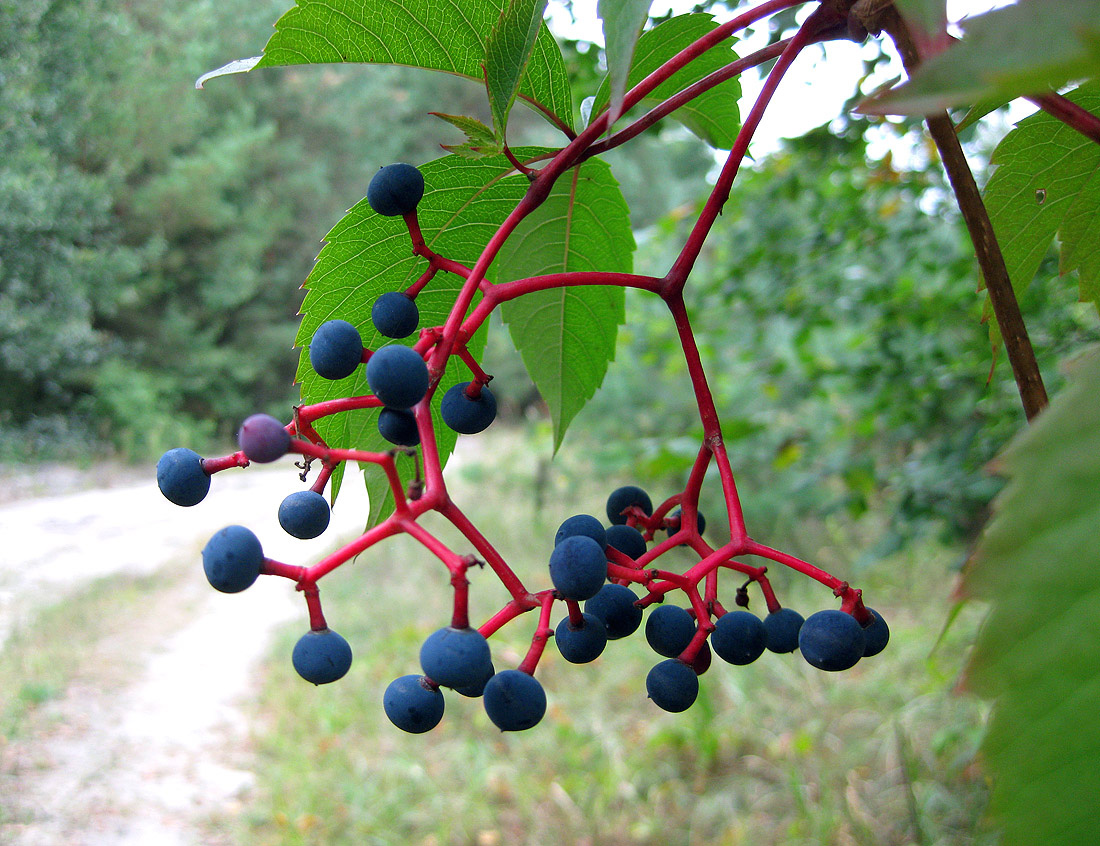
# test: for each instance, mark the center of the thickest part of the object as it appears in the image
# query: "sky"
(815, 88)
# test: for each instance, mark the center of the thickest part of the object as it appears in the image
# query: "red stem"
(539, 639)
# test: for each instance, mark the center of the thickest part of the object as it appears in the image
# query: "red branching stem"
(1070, 114)
(271, 567)
(851, 602)
(633, 574)
(312, 594)
(576, 616)
(480, 376)
(460, 616)
(323, 476)
(687, 95)
(454, 562)
(420, 284)
(540, 637)
(493, 558)
(693, 647)
(307, 414)
(517, 164)
(433, 465)
(754, 548)
(566, 129)
(708, 414)
(210, 466)
(678, 275)
(326, 565)
(769, 594)
(510, 611)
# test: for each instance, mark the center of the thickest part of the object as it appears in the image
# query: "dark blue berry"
(336, 349)
(477, 688)
(739, 637)
(395, 315)
(232, 559)
(263, 438)
(398, 376)
(398, 426)
(672, 685)
(395, 189)
(455, 657)
(466, 415)
(624, 497)
(578, 567)
(412, 704)
(831, 640)
(627, 540)
(674, 522)
(669, 629)
(321, 656)
(581, 644)
(782, 628)
(581, 524)
(304, 514)
(181, 478)
(876, 635)
(614, 604)
(514, 700)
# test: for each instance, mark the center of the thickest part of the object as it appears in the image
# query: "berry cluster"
(613, 570)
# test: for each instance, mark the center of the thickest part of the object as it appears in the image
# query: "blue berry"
(304, 514)
(412, 704)
(581, 644)
(739, 637)
(672, 685)
(336, 349)
(478, 687)
(669, 629)
(627, 540)
(578, 567)
(674, 522)
(876, 634)
(831, 640)
(614, 604)
(465, 415)
(455, 657)
(782, 628)
(398, 376)
(395, 190)
(395, 315)
(581, 524)
(398, 426)
(624, 497)
(181, 478)
(232, 559)
(263, 438)
(514, 700)
(321, 656)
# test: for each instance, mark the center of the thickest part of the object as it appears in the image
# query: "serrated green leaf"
(480, 140)
(713, 116)
(506, 55)
(1047, 183)
(1038, 654)
(443, 35)
(1020, 49)
(366, 255)
(622, 25)
(566, 336)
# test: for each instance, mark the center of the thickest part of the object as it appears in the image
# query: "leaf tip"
(236, 66)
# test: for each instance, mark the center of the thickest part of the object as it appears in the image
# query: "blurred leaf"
(1047, 183)
(931, 15)
(567, 335)
(713, 116)
(622, 24)
(447, 36)
(366, 255)
(507, 53)
(1025, 48)
(1037, 655)
(980, 110)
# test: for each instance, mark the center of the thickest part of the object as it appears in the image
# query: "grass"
(775, 752)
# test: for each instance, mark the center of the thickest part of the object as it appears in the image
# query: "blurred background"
(153, 240)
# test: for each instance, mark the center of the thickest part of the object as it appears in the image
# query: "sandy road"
(146, 758)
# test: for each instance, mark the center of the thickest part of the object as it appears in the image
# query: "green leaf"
(1037, 656)
(366, 255)
(507, 53)
(1020, 49)
(622, 24)
(566, 336)
(480, 139)
(713, 116)
(1047, 183)
(443, 35)
(931, 15)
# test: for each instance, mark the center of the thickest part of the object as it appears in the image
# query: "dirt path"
(144, 757)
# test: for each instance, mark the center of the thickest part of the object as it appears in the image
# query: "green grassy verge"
(773, 753)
